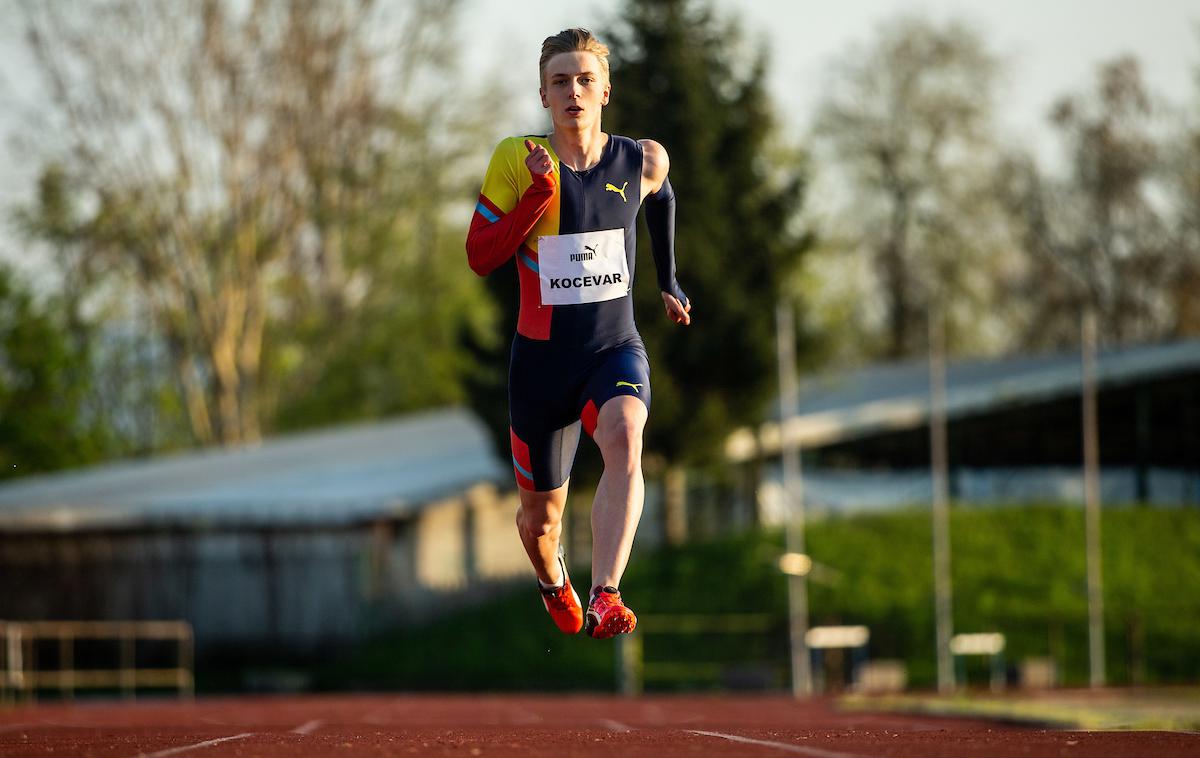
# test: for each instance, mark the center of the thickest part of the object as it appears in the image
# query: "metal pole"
(802, 685)
(942, 589)
(1091, 494)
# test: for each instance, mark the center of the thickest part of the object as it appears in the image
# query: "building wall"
(299, 590)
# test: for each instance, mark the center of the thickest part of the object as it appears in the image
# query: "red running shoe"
(563, 604)
(607, 616)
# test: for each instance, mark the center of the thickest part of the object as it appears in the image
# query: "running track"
(543, 725)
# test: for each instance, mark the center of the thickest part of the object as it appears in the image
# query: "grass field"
(1017, 570)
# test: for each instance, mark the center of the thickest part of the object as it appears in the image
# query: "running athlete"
(566, 205)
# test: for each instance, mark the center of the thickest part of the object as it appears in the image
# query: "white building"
(299, 544)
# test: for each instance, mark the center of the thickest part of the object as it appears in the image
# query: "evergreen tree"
(684, 78)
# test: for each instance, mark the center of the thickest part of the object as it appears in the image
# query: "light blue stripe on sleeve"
(530, 263)
(486, 212)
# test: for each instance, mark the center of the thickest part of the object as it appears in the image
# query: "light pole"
(942, 588)
(793, 496)
(1091, 495)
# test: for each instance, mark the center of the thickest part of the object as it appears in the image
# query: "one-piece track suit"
(567, 360)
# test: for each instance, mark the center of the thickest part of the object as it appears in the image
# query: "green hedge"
(1017, 570)
(1021, 571)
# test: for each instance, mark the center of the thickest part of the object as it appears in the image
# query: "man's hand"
(538, 161)
(677, 311)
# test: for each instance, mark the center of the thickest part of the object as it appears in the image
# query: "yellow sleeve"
(500, 181)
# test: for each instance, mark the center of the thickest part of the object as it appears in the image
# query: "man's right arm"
(495, 232)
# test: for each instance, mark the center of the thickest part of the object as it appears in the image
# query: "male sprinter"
(566, 206)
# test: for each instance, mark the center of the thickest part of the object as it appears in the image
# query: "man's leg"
(621, 492)
(539, 522)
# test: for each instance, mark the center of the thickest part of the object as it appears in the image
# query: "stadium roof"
(892, 397)
(340, 475)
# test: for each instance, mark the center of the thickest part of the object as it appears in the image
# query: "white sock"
(562, 578)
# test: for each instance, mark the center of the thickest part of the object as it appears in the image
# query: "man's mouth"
(574, 109)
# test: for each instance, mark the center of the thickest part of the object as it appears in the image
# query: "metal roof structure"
(890, 397)
(336, 476)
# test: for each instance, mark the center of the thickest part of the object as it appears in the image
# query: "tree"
(252, 173)
(683, 78)
(1097, 238)
(1183, 181)
(44, 381)
(686, 79)
(122, 380)
(907, 128)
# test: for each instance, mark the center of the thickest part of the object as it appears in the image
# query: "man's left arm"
(660, 220)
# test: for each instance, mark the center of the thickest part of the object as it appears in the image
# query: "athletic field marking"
(185, 748)
(308, 728)
(813, 751)
(613, 726)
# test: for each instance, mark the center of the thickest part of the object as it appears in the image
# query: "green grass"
(1016, 570)
(1137, 709)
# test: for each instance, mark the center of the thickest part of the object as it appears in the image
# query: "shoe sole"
(617, 623)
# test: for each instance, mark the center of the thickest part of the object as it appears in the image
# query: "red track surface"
(519, 725)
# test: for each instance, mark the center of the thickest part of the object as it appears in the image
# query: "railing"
(633, 671)
(21, 676)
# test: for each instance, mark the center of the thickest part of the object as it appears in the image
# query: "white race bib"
(589, 267)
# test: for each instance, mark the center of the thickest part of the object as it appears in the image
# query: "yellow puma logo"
(613, 188)
(636, 387)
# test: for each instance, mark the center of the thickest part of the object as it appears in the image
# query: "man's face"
(574, 89)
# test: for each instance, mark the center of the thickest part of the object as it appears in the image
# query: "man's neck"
(579, 150)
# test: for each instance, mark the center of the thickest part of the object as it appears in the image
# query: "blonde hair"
(571, 41)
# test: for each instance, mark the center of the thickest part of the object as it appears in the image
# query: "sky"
(1051, 47)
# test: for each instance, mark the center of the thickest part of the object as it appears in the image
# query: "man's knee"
(620, 440)
(537, 521)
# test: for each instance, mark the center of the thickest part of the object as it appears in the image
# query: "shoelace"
(606, 599)
(558, 596)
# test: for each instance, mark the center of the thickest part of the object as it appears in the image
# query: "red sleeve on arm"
(491, 243)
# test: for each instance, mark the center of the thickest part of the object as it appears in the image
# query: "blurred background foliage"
(1010, 574)
(253, 216)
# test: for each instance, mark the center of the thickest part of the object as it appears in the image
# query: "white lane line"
(185, 748)
(813, 751)
(614, 726)
(308, 728)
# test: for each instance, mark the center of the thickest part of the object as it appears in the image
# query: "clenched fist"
(538, 161)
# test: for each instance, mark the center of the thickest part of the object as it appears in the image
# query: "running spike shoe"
(607, 616)
(562, 603)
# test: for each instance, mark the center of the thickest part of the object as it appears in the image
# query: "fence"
(21, 675)
(633, 671)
